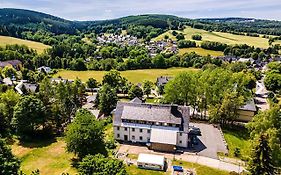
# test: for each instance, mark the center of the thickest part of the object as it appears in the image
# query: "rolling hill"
(223, 37)
(24, 20)
(39, 47)
(27, 20)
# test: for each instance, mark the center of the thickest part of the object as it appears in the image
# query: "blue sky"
(108, 9)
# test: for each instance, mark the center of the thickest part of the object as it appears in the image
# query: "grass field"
(134, 170)
(40, 47)
(200, 169)
(219, 37)
(200, 51)
(48, 156)
(134, 76)
(277, 42)
(237, 138)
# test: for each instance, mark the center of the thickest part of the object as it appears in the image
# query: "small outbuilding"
(151, 161)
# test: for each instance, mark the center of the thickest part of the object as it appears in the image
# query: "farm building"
(151, 161)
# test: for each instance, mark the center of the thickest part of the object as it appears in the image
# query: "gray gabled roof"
(162, 80)
(151, 112)
(11, 62)
(136, 100)
(249, 106)
(31, 87)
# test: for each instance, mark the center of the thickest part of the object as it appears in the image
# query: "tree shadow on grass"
(237, 131)
(75, 162)
(37, 143)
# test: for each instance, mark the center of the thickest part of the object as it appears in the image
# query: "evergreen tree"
(261, 158)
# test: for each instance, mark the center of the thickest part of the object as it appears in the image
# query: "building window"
(148, 139)
(180, 134)
(133, 137)
(125, 129)
(118, 135)
(140, 137)
(118, 128)
(140, 130)
(180, 141)
(148, 131)
(133, 129)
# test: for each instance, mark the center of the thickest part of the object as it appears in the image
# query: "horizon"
(87, 10)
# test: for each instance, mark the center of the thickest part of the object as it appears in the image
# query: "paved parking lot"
(210, 142)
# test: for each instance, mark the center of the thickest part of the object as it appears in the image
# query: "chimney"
(185, 116)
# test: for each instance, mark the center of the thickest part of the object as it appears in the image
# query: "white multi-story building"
(163, 127)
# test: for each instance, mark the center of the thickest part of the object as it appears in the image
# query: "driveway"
(211, 142)
(189, 157)
(261, 95)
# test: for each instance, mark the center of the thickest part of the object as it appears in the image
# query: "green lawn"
(200, 169)
(49, 157)
(134, 76)
(200, 51)
(134, 170)
(237, 138)
(219, 37)
(40, 47)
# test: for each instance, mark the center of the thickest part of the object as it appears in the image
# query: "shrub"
(196, 37)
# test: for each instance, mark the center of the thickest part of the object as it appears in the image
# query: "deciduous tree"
(135, 91)
(29, 116)
(85, 135)
(9, 164)
(99, 164)
(107, 99)
(147, 87)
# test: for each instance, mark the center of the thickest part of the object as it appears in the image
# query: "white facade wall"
(140, 135)
(134, 134)
(182, 139)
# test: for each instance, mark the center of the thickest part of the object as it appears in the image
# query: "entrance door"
(126, 137)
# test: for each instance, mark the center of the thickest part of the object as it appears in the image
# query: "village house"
(161, 127)
(24, 87)
(16, 64)
(162, 81)
(44, 69)
(61, 80)
(247, 112)
(8, 82)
